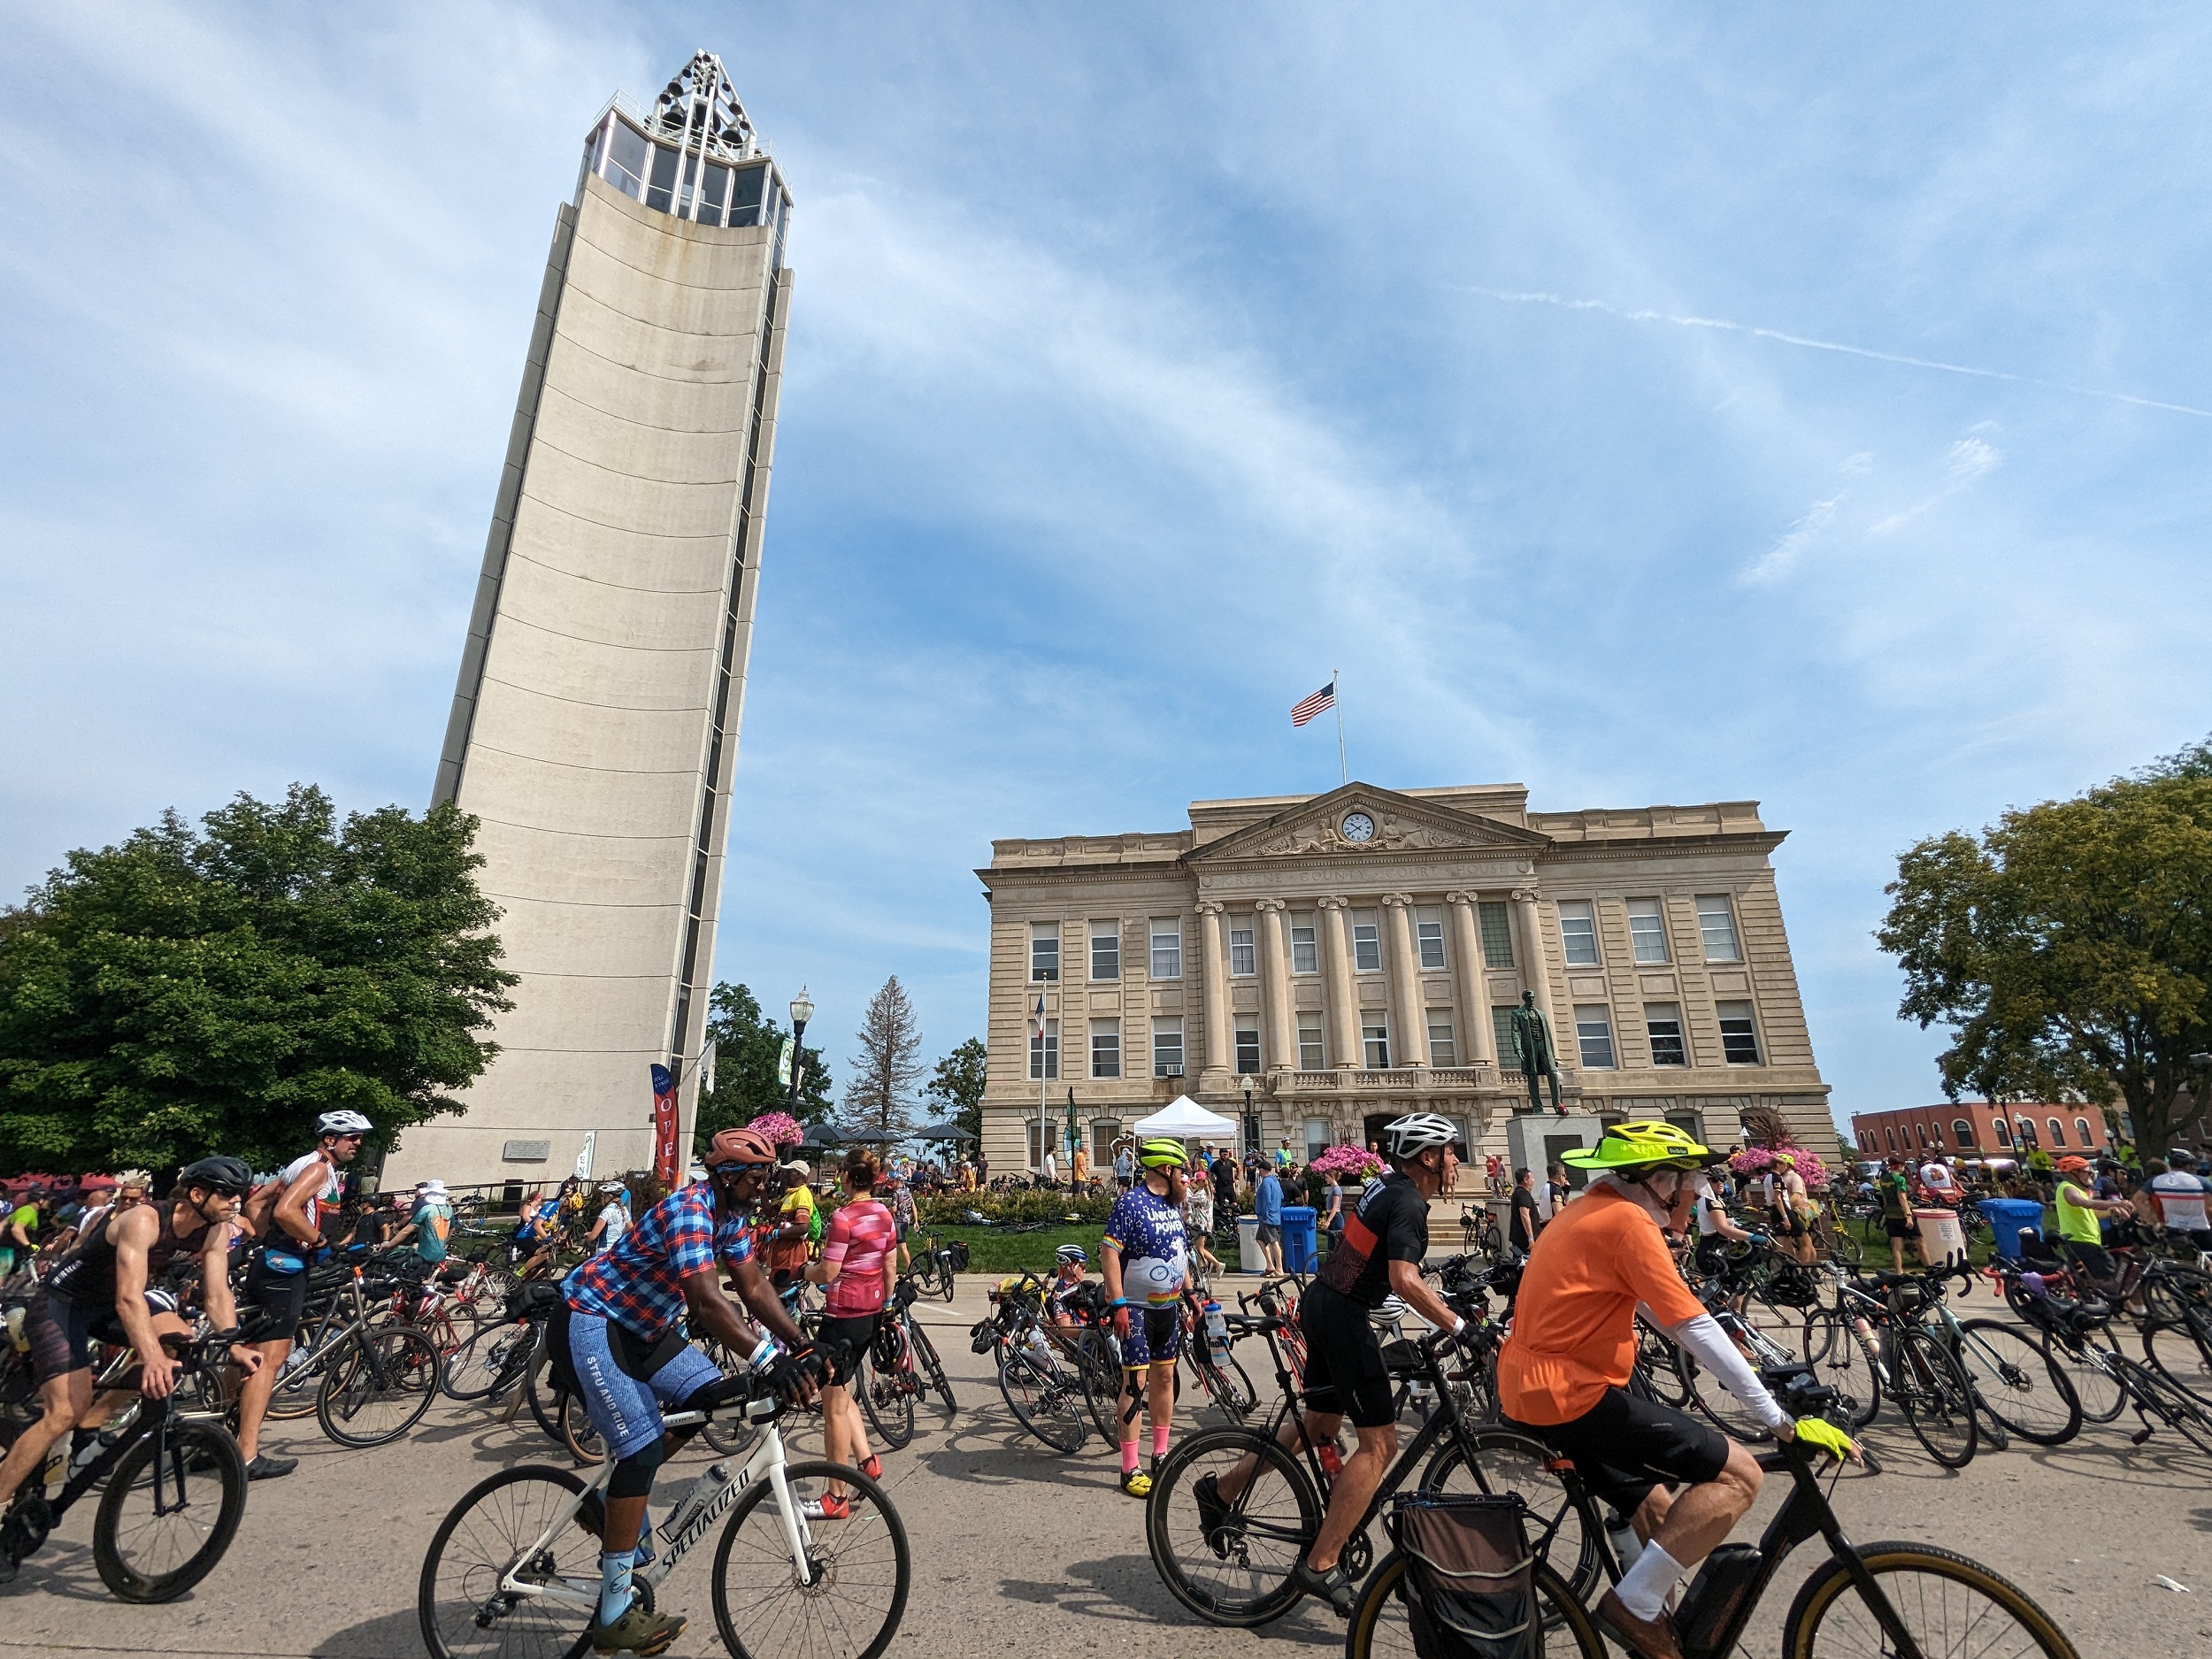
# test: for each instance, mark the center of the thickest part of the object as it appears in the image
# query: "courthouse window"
(1242, 958)
(1105, 950)
(1593, 1033)
(1647, 931)
(1167, 1048)
(1105, 1048)
(1664, 1022)
(1577, 933)
(1044, 1052)
(1497, 934)
(1248, 1050)
(1502, 1027)
(1716, 920)
(1167, 949)
(1738, 1034)
(1428, 936)
(1366, 943)
(1305, 947)
(1442, 1050)
(1375, 1037)
(1311, 1055)
(1044, 950)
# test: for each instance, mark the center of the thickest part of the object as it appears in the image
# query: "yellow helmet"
(1636, 1145)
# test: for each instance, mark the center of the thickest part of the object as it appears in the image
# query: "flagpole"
(1336, 679)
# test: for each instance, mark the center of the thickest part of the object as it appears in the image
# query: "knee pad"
(633, 1477)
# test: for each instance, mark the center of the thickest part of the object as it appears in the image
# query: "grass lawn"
(996, 1252)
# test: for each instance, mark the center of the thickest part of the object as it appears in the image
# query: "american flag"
(1039, 1014)
(1325, 698)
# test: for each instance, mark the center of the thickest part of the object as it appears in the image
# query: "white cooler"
(1941, 1238)
(1248, 1256)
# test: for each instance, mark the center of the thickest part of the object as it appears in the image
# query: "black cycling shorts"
(1345, 1373)
(281, 1299)
(1624, 1445)
(60, 1334)
(1897, 1227)
(843, 1342)
(1156, 1337)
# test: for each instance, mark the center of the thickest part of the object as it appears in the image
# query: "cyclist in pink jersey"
(859, 1265)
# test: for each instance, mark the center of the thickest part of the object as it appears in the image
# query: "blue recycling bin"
(2006, 1217)
(1299, 1253)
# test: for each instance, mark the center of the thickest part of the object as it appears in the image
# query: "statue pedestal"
(1536, 1139)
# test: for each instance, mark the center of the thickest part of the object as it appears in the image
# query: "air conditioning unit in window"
(1169, 1071)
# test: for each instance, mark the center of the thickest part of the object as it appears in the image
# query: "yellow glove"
(1821, 1432)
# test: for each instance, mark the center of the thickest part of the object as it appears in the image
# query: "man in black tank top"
(103, 1283)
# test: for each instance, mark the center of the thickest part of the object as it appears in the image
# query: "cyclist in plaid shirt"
(618, 1345)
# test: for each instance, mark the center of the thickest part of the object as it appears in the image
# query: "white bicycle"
(513, 1571)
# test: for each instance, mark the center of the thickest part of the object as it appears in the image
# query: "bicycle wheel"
(1380, 1628)
(2172, 1290)
(478, 1367)
(576, 1433)
(1506, 1460)
(1047, 1399)
(2017, 1381)
(1218, 1386)
(859, 1570)
(1238, 1572)
(2182, 1354)
(458, 1603)
(1655, 1360)
(1722, 1409)
(160, 1530)
(1831, 1347)
(887, 1400)
(1844, 1245)
(301, 1378)
(2161, 1405)
(2090, 1373)
(1953, 1609)
(379, 1388)
(1933, 1396)
(1100, 1373)
(933, 1368)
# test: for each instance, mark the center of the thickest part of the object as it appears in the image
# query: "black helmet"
(218, 1175)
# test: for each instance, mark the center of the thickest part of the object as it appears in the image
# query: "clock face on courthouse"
(1358, 828)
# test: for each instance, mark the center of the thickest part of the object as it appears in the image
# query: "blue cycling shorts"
(626, 1410)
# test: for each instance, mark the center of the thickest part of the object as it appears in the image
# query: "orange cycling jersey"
(1574, 1320)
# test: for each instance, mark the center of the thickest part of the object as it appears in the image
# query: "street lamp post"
(801, 1011)
(1251, 1116)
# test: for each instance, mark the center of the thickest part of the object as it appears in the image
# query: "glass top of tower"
(697, 157)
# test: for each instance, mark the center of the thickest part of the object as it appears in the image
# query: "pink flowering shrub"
(779, 1128)
(1754, 1162)
(1342, 1161)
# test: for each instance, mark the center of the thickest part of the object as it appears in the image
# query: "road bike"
(1209, 1361)
(513, 1569)
(936, 1264)
(1047, 1395)
(2108, 1382)
(2018, 1387)
(368, 1382)
(903, 1368)
(176, 1484)
(1872, 1343)
(1477, 1230)
(1904, 1601)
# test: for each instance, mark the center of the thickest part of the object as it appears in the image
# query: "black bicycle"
(176, 1484)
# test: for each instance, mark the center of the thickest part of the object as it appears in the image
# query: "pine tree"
(880, 1090)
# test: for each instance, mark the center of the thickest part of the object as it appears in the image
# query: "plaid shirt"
(638, 1283)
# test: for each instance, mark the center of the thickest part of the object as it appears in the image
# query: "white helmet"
(1415, 1132)
(341, 1123)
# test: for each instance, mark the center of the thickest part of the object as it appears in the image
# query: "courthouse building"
(1334, 961)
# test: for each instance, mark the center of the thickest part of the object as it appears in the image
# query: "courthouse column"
(1282, 1036)
(1536, 971)
(1343, 1003)
(1214, 966)
(1477, 1041)
(1407, 1012)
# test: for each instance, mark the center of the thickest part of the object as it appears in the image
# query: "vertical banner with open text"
(667, 1164)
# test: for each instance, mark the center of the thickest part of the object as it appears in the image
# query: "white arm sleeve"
(1708, 1344)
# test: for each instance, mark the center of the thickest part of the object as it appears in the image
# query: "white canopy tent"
(1185, 1119)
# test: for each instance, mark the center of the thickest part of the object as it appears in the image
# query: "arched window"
(1889, 1134)
(1935, 1136)
(2058, 1132)
(2026, 1126)
(1920, 1135)
(1963, 1131)
(2081, 1128)
(2004, 1136)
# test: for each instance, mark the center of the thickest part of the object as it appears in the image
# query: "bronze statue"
(1538, 1056)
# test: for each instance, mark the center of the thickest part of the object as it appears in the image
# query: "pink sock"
(1159, 1440)
(1129, 1457)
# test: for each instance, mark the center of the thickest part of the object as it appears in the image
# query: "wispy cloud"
(1778, 560)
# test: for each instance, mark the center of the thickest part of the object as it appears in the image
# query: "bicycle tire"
(499, 1528)
(925, 1353)
(543, 1393)
(1508, 1459)
(2018, 1382)
(1655, 1357)
(1934, 1396)
(2102, 1395)
(1379, 1628)
(1831, 1347)
(2175, 1409)
(576, 1430)
(474, 1370)
(1101, 1374)
(841, 1549)
(121, 1549)
(1248, 1595)
(1716, 1405)
(396, 1367)
(1826, 1599)
(2181, 1352)
(1041, 1401)
(292, 1396)
(888, 1402)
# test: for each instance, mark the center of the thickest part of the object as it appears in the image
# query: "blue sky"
(1810, 408)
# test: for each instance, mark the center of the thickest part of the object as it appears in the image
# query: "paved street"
(1017, 1550)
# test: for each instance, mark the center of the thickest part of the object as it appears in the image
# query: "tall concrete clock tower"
(595, 724)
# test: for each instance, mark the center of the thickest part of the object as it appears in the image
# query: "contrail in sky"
(1723, 325)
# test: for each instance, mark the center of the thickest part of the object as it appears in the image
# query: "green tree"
(880, 1093)
(2070, 947)
(957, 1085)
(213, 989)
(746, 1046)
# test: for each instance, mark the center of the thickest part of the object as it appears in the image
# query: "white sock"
(1644, 1587)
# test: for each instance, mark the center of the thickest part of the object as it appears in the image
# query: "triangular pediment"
(1401, 824)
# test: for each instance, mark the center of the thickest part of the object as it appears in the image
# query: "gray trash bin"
(1248, 1256)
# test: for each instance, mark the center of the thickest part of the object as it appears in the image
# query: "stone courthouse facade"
(1350, 957)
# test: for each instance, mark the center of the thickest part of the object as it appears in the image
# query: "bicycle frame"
(768, 1464)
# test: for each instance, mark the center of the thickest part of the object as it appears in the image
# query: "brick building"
(1979, 1129)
